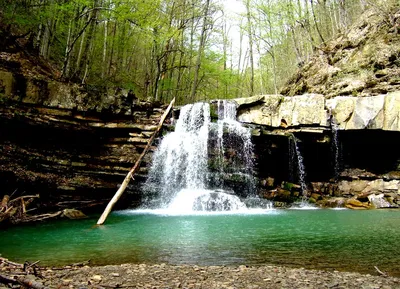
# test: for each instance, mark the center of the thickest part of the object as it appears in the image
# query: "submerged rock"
(73, 214)
(218, 201)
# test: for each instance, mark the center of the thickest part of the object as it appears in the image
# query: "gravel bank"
(185, 276)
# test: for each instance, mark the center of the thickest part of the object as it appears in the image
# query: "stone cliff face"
(348, 145)
(70, 145)
(312, 110)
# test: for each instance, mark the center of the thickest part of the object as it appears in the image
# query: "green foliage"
(151, 46)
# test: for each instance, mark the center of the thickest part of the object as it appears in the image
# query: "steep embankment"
(364, 61)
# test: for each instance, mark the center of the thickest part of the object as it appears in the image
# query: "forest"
(188, 49)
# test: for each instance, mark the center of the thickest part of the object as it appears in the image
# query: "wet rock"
(316, 196)
(379, 201)
(357, 205)
(73, 214)
(268, 182)
(283, 195)
(335, 202)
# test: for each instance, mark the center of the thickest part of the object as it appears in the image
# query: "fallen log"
(24, 197)
(124, 184)
(40, 217)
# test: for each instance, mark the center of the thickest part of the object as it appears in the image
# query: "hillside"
(364, 61)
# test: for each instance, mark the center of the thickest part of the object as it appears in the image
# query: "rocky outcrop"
(363, 61)
(281, 112)
(349, 113)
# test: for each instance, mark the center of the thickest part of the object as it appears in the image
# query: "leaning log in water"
(124, 184)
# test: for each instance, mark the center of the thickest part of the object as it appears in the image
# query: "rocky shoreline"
(192, 276)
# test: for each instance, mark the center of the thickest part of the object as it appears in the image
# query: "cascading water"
(181, 159)
(335, 147)
(180, 175)
(234, 150)
(294, 152)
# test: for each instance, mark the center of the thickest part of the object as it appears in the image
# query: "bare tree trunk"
(200, 51)
(238, 94)
(250, 34)
(342, 14)
(89, 42)
(316, 22)
(103, 67)
(65, 69)
(79, 57)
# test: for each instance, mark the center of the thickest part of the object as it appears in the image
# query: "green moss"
(288, 186)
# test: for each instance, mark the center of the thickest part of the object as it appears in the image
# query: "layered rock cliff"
(71, 145)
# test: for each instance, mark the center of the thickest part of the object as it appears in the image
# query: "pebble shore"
(208, 277)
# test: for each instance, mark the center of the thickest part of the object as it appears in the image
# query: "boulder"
(316, 196)
(335, 202)
(392, 112)
(310, 110)
(268, 182)
(356, 205)
(279, 111)
(341, 108)
(379, 201)
(245, 101)
(73, 214)
(368, 113)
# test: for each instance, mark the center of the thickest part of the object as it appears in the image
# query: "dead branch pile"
(25, 275)
(14, 211)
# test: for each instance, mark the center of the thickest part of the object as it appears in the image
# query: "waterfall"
(180, 178)
(181, 159)
(234, 149)
(295, 154)
(335, 148)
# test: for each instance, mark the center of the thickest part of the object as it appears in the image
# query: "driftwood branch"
(4, 260)
(124, 184)
(24, 197)
(380, 272)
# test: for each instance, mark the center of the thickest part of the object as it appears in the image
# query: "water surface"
(323, 239)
